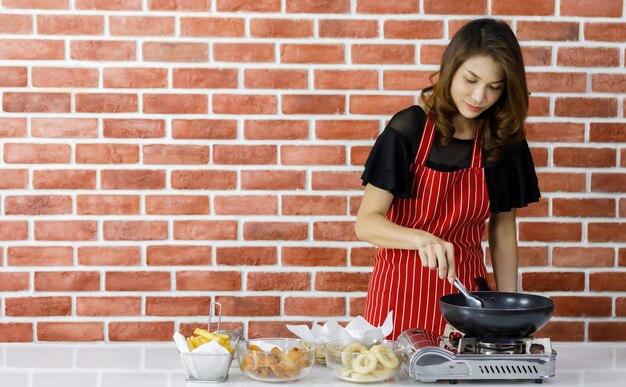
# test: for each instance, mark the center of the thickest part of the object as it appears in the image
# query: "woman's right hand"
(437, 254)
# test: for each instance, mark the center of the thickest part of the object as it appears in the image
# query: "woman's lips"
(472, 107)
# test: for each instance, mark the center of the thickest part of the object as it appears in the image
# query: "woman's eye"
(470, 80)
(496, 87)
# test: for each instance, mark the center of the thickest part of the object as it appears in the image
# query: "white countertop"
(158, 365)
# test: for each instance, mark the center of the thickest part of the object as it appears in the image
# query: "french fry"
(203, 336)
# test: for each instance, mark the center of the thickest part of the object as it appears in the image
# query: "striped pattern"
(451, 205)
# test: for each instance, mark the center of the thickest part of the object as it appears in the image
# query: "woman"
(439, 171)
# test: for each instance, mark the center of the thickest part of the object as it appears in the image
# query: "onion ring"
(364, 363)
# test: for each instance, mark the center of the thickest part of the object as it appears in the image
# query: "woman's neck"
(464, 128)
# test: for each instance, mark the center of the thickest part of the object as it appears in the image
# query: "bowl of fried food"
(275, 359)
(364, 360)
(209, 355)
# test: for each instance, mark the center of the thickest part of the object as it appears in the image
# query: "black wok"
(511, 315)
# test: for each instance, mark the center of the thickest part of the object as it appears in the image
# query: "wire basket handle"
(212, 313)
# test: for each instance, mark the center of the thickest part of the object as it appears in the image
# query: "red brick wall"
(160, 154)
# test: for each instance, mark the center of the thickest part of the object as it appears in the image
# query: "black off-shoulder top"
(511, 180)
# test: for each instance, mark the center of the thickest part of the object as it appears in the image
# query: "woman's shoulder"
(408, 121)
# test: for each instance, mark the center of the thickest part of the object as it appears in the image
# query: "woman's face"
(477, 85)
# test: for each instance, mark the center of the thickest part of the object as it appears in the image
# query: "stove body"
(430, 358)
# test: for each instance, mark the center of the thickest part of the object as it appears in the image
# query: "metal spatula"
(471, 299)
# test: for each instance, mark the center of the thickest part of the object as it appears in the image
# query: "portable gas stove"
(450, 357)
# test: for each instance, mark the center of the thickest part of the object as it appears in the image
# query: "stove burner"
(505, 346)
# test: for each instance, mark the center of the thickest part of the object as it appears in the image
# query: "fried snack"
(276, 362)
(203, 336)
(360, 363)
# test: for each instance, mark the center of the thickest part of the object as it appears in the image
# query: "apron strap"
(477, 150)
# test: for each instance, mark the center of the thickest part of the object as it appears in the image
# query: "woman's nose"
(478, 94)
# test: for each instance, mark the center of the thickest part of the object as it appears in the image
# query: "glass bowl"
(364, 360)
(275, 359)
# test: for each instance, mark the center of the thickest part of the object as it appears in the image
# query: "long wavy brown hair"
(503, 123)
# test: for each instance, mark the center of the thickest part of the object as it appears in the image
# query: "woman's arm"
(503, 248)
(373, 226)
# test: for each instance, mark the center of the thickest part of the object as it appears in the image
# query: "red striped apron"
(450, 205)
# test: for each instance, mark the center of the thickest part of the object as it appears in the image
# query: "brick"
(36, 4)
(245, 205)
(108, 306)
(346, 79)
(313, 256)
(313, 104)
(204, 129)
(348, 28)
(135, 230)
(107, 153)
(582, 306)
(70, 331)
(175, 103)
(38, 306)
(561, 182)
(313, 155)
(167, 255)
(175, 154)
(266, 281)
(70, 25)
(67, 281)
(539, 106)
(132, 179)
(106, 103)
(244, 154)
(177, 306)
(212, 27)
(608, 182)
(179, 5)
(108, 204)
(141, 25)
(12, 127)
(550, 231)
(64, 179)
(244, 52)
(276, 129)
(13, 231)
(16, 24)
(590, 8)
(32, 49)
(583, 207)
(37, 205)
(540, 156)
(208, 280)
(109, 256)
(177, 205)
(318, 6)
(134, 77)
(106, 5)
(244, 104)
(346, 129)
(555, 132)
(582, 256)
(205, 78)
(37, 153)
(585, 107)
(59, 230)
(141, 331)
(606, 232)
(249, 306)
(608, 83)
(378, 104)
(312, 53)
(537, 56)
(175, 52)
(563, 331)
(275, 79)
(281, 28)
(14, 281)
(557, 82)
(36, 102)
(341, 282)
(209, 179)
(275, 231)
(388, 7)
(247, 6)
(531, 7)
(584, 157)
(315, 306)
(334, 231)
(133, 128)
(552, 31)
(137, 281)
(16, 332)
(362, 256)
(588, 56)
(205, 230)
(12, 76)
(246, 256)
(405, 79)
(349, 181)
(607, 331)
(609, 32)
(354, 202)
(413, 29)
(50, 127)
(458, 7)
(553, 281)
(383, 54)
(356, 306)
(313, 205)
(260, 329)
(103, 50)
(272, 180)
